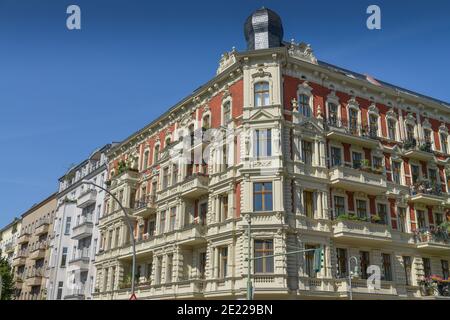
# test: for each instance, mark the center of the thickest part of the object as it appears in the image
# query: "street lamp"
(130, 226)
(351, 274)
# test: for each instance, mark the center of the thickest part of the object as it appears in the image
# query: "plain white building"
(75, 238)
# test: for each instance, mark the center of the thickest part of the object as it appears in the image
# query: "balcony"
(421, 152)
(192, 234)
(357, 180)
(34, 278)
(20, 258)
(81, 260)
(76, 293)
(42, 227)
(360, 289)
(83, 229)
(359, 232)
(354, 134)
(145, 206)
(433, 240)
(194, 186)
(38, 252)
(9, 247)
(24, 238)
(427, 193)
(87, 198)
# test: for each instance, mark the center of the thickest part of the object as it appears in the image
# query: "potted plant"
(375, 219)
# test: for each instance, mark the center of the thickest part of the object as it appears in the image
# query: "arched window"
(156, 154)
(304, 105)
(226, 112)
(167, 143)
(261, 94)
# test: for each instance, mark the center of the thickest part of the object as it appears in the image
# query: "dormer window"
(304, 105)
(261, 94)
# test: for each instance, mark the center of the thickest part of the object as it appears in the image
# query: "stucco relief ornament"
(302, 51)
(247, 142)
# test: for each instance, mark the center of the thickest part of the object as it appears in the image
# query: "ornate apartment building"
(32, 252)
(310, 155)
(75, 237)
(8, 239)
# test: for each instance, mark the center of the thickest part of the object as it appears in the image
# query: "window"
(309, 261)
(64, 257)
(339, 206)
(421, 219)
(304, 105)
(223, 262)
(116, 241)
(173, 216)
(341, 262)
(444, 264)
(146, 156)
(60, 290)
(396, 171)
(202, 264)
(174, 174)
(336, 158)
(158, 271)
(203, 213)
(407, 269)
(386, 272)
(444, 143)
(356, 159)
(373, 125)
(365, 262)
(169, 268)
(223, 207)
(67, 227)
(151, 227)
(426, 267)
(415, 173)
(361, 209)
(438, 218)
(377, 163)
(263, 139)
(382, 213)
(432, 175)
(402, 219)
(333, 109)
(263, 248)
(162, 222)
(262, 196)
(226, 112)
(392, 129)
(410, 133)
(308, 203)
(261, 94)
(353, 121)
(307, 153)
(156, 154)
(427, 135)
(165, 181)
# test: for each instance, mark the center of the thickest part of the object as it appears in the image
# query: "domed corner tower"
(263, 29)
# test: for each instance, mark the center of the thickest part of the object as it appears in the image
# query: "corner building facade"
(312, 156)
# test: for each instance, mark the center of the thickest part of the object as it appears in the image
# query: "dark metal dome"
(263, 29)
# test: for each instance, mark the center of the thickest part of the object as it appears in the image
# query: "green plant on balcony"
(445, 226)
(410, 144)
(125, 283)
(375, 219)
(378, 170)
(350, 217)
(426, 147)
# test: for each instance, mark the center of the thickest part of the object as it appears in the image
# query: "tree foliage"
(7, 279)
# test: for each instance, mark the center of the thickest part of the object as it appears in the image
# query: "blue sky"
(64, 93)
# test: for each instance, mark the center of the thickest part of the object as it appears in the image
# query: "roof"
(40, 204)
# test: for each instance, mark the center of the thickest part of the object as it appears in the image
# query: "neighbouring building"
(75, 233)
(32, 254)
(8, 239)
(312, 155)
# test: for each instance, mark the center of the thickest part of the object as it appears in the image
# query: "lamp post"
(130, 226)
(350, 275)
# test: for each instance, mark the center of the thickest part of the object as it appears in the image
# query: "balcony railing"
(426, 187)
(352, 128)
(434, 235)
